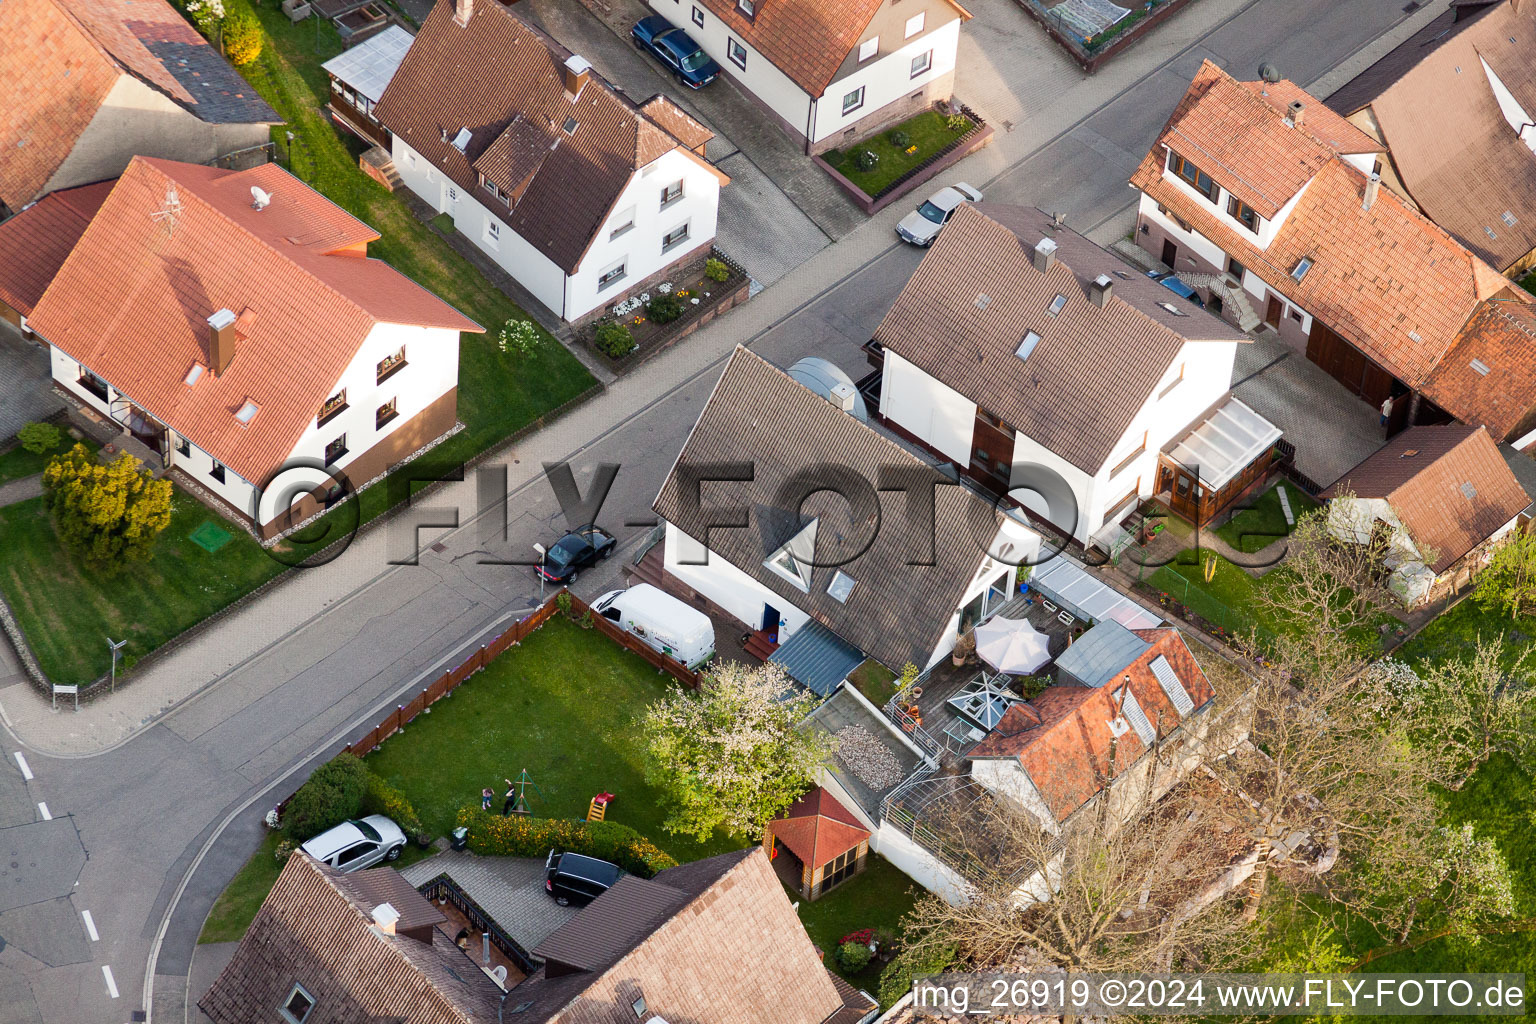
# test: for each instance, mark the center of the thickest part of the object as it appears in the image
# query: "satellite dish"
(1269, 73)
(260, 198)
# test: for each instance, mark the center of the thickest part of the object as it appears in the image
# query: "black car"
(574, 878)
(574, 552)
(676, 49)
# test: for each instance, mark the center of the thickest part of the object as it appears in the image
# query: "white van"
(662, 621)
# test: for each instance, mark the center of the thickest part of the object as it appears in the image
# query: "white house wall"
(918, 864)
(640, 247)
(1188, 239)
(1016, 544)
(1007, 778)
(932, 411)
(728, 586)
(887, 79)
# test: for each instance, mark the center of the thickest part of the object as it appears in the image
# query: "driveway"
(25, 390)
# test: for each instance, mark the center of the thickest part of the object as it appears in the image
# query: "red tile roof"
(66, 55)
(817, 828)
(1386, 279)
(1489, 378)
(1448, 485)
(503, 80)
(1062, 738)
(132, 300)
(34, 243)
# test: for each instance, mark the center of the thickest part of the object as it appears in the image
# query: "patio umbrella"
(1012, 645)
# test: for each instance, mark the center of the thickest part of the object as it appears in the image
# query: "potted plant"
(964, 648)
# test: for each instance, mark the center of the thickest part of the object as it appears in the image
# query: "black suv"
(574, 878)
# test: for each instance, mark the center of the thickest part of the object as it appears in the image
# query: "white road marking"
(90, 925)
(111, 985)
(21, 762)
(42, 809)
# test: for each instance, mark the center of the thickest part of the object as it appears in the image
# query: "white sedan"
(921, 226)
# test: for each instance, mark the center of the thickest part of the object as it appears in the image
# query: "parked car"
(575, 878)
(1170, 280)
(672, 46)
(661, 621)
(357, 844)
(921, 226)
(575, 551)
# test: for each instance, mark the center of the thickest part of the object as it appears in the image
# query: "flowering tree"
(732, 754)
(520, 337)
(1508, 583)
(206, 14)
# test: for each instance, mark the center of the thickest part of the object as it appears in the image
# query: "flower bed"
(654, 319)
(882, 168)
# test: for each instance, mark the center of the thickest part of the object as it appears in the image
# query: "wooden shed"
(817, 845)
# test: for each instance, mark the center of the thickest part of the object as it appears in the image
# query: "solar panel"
(1168, 679)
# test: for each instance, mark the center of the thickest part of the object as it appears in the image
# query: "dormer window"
(1299, 271)
(747, 7)
(1194, 176)
(1243, 213)
(793, 560)
(297, 1007)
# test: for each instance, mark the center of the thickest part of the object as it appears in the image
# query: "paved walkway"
(27, 487)
(510, 889)
(26, 392)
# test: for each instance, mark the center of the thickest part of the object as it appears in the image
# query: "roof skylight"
(841, 586)
(1027, 345)
(1057, 304)
(461, 140)
(1480, 367)
(247, 412)
(195, 374)
(1302, 266)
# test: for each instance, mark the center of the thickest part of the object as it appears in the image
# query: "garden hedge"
(516, 835)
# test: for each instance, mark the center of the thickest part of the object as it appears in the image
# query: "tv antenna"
(170, 212)
(260, 198)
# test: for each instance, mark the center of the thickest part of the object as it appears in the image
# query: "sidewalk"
(310, 615)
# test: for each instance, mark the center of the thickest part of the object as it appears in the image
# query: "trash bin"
(460, 838)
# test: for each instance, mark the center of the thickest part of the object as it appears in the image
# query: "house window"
(296, 1007)
(389, 364)
(612, 274)
(625, 223)
(671, 194)
(698, 17)
(183, 447)
(1173, 383)
(854, 100)
(1126, 462)
(1197, 178)
(839, 870)
(216, 472)
(1236, 269)
(495, 190)
(921, 63)
(493, 230)
(915, 24)
(736, 52)
(868, 48)
(787, 565)
(747, 7)
(336, 449)
(384, 413)
(674, 238)
(333, 405)
(1297, 315)
(92, 383)
(1243, 213)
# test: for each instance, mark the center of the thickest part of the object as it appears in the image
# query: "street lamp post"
(116, 646)
(543, 558)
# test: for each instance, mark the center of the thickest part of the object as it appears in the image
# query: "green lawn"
(1257, 527)
(566, 705)
(18, 463)
(1226, 601)
(236, 906)
(67, 613)
(875, 898)
(928, 131)
(874, 681)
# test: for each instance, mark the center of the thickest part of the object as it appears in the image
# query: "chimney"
(385, 916)
(221, 340)
(1045, 255)
(1296, 110)
(463, 10)
(843, 396)
(1372, 186)
(577, 69)
(1100, 290)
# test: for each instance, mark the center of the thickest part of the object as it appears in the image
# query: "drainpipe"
(810, 125)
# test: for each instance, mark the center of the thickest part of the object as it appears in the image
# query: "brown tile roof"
(66, 55)
(1062, 737)
(498, 70)
(1489, 378)
(1387, 280)
(1093, 368)
(313, 929)
(1431, 96)
(758, 415)
(132, 300)
(663, 940)
(817, 828)
(673, 119)
(808, 40)
(33, 243)
(1448, 485)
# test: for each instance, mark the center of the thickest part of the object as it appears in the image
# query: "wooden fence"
(496, 646)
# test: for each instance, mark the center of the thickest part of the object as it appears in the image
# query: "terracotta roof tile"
(132, 300)
(1092, 370)
(497, 70)
(1489, 378)
(817, 828)
(1065, 745)
(34, 243)
(1448, 485)
(808, 40)
(674, 120)
(1386, 279)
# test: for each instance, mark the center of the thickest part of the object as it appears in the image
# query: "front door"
(1170, 253)
(1273, 312)
(771, 621)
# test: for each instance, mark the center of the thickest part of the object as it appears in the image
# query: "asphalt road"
(164, 820)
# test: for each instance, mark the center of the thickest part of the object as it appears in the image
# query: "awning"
(1012, 645)
(817, 658)
(1066, 583)
(1226, 444)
